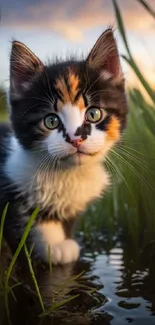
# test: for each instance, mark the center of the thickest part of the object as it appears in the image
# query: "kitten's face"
(72, 111)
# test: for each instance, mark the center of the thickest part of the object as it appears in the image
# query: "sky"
(60, 27)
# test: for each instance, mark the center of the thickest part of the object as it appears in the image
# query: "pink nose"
(76, 143)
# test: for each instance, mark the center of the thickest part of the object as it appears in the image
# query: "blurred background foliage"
(3, 105)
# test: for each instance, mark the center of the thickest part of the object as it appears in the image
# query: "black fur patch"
(84, 130)
(104, 124)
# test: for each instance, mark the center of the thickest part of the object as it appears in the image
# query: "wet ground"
(121, 272)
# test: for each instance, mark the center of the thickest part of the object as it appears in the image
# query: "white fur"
(95, 142)
(66, 192)
(56, 146)
(72, 117)
(17, 159)
(65, 252)
(50, 237)
(50, 232)
(106, 75)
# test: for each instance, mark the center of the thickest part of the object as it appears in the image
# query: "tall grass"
(8, 272)
(130, 202)
(2, 225)
(130, 60)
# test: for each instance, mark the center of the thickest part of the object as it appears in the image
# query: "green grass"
(147, 7)
(20, 246)
(28, 255)
(129, 203)
(130, 58)
(2, 225)
(8, 272)
(6, 279)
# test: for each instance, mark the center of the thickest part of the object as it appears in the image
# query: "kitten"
(65, 117)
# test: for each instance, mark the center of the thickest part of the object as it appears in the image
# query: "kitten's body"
(60, 169)
(62, 196)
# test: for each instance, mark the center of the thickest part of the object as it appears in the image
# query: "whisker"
(133, 169)
(134, 150)
(27, 110)
(49, 86)
(123, 178)
(93, 84)
(101, 91)
(36, 173)
(111, 169)
(135, 159)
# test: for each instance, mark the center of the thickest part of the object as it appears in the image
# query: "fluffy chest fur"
(67, 193)
(62, 192)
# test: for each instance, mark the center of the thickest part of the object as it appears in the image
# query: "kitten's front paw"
(65, 252)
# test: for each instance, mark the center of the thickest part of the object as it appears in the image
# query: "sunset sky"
(58, 27)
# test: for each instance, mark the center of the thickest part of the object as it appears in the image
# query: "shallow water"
(122, 272)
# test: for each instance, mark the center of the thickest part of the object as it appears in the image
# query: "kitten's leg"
(51, 236)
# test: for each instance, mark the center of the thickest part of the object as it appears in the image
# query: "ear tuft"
(104, 55)
(24, 66)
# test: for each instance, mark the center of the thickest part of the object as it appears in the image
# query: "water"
(122, 272)
(128, 290)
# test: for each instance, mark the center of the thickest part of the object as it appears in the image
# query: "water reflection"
(122, 273)
(130, 284)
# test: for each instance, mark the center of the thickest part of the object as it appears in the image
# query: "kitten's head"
(74, 111)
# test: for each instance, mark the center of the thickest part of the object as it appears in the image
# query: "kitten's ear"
(24, 65)
(104, 55)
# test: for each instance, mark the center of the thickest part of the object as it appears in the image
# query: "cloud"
(72, 19)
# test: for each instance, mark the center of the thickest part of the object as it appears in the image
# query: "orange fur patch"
(69, 97)
(60, 104)
(80, 103)
(61, 85)
(73, 82)
(113, 132)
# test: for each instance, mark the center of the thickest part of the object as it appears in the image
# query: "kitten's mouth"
(87, 153)
(80, 153)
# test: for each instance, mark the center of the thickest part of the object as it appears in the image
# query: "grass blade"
(58, 305)
(130, 60)
(34, 278)
(140, 76)
(63, 285)
(2, 224)
(21, 244)
(15, 285)
(121, 25)
(15, 256)
(147, 7)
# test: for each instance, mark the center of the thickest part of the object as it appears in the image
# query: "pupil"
(92, 115)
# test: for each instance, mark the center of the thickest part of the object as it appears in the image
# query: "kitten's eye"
(93, 115)
(52, 121)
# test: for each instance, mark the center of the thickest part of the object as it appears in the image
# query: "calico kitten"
(65, 117)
